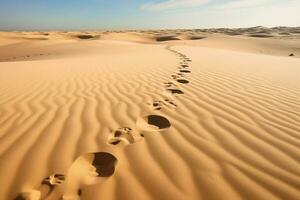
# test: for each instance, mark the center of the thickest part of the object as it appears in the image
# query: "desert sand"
(157, 114)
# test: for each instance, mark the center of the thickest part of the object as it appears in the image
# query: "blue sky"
(145, 14)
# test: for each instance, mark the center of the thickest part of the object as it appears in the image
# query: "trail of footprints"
(95, 168)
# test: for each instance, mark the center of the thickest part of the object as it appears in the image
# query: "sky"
(145, 14)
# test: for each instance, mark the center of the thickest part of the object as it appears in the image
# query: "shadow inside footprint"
(114, 141)
(20, 197)
(175, 91)
(183, 81)
(104, 164)
(185, 71)
(153, 123)
(158, 121)
(184, 66)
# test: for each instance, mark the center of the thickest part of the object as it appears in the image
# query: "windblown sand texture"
(159, 114)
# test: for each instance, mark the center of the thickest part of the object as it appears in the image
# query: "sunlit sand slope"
(194, 122)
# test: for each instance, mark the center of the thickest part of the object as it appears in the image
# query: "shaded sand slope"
(234, 132)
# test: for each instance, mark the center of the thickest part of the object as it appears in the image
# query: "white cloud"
(231, 4)
(234, 4)
(173, 4)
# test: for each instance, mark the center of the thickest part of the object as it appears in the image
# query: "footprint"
(170, 84)
(183, 81)
(46, 188)
(185, 66)
(104, 164)
(153, 123)
(170, 102)
(53, 180)
(176, 76)
(125, 135)
(88, 169)
(175, 91)
(185, 71)
(157, 105)
(52, 186)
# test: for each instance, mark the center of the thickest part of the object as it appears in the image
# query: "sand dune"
(101, 118)
(278, 41)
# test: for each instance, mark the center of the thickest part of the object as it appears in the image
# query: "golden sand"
(182, 114)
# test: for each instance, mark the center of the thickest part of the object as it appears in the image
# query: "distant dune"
(279, 41)
(156, 114)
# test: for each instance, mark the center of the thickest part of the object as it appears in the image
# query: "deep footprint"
(175, 91)
(89, 169)
(185, 71)
(104, 164)
(183, 81)
(153, 123)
